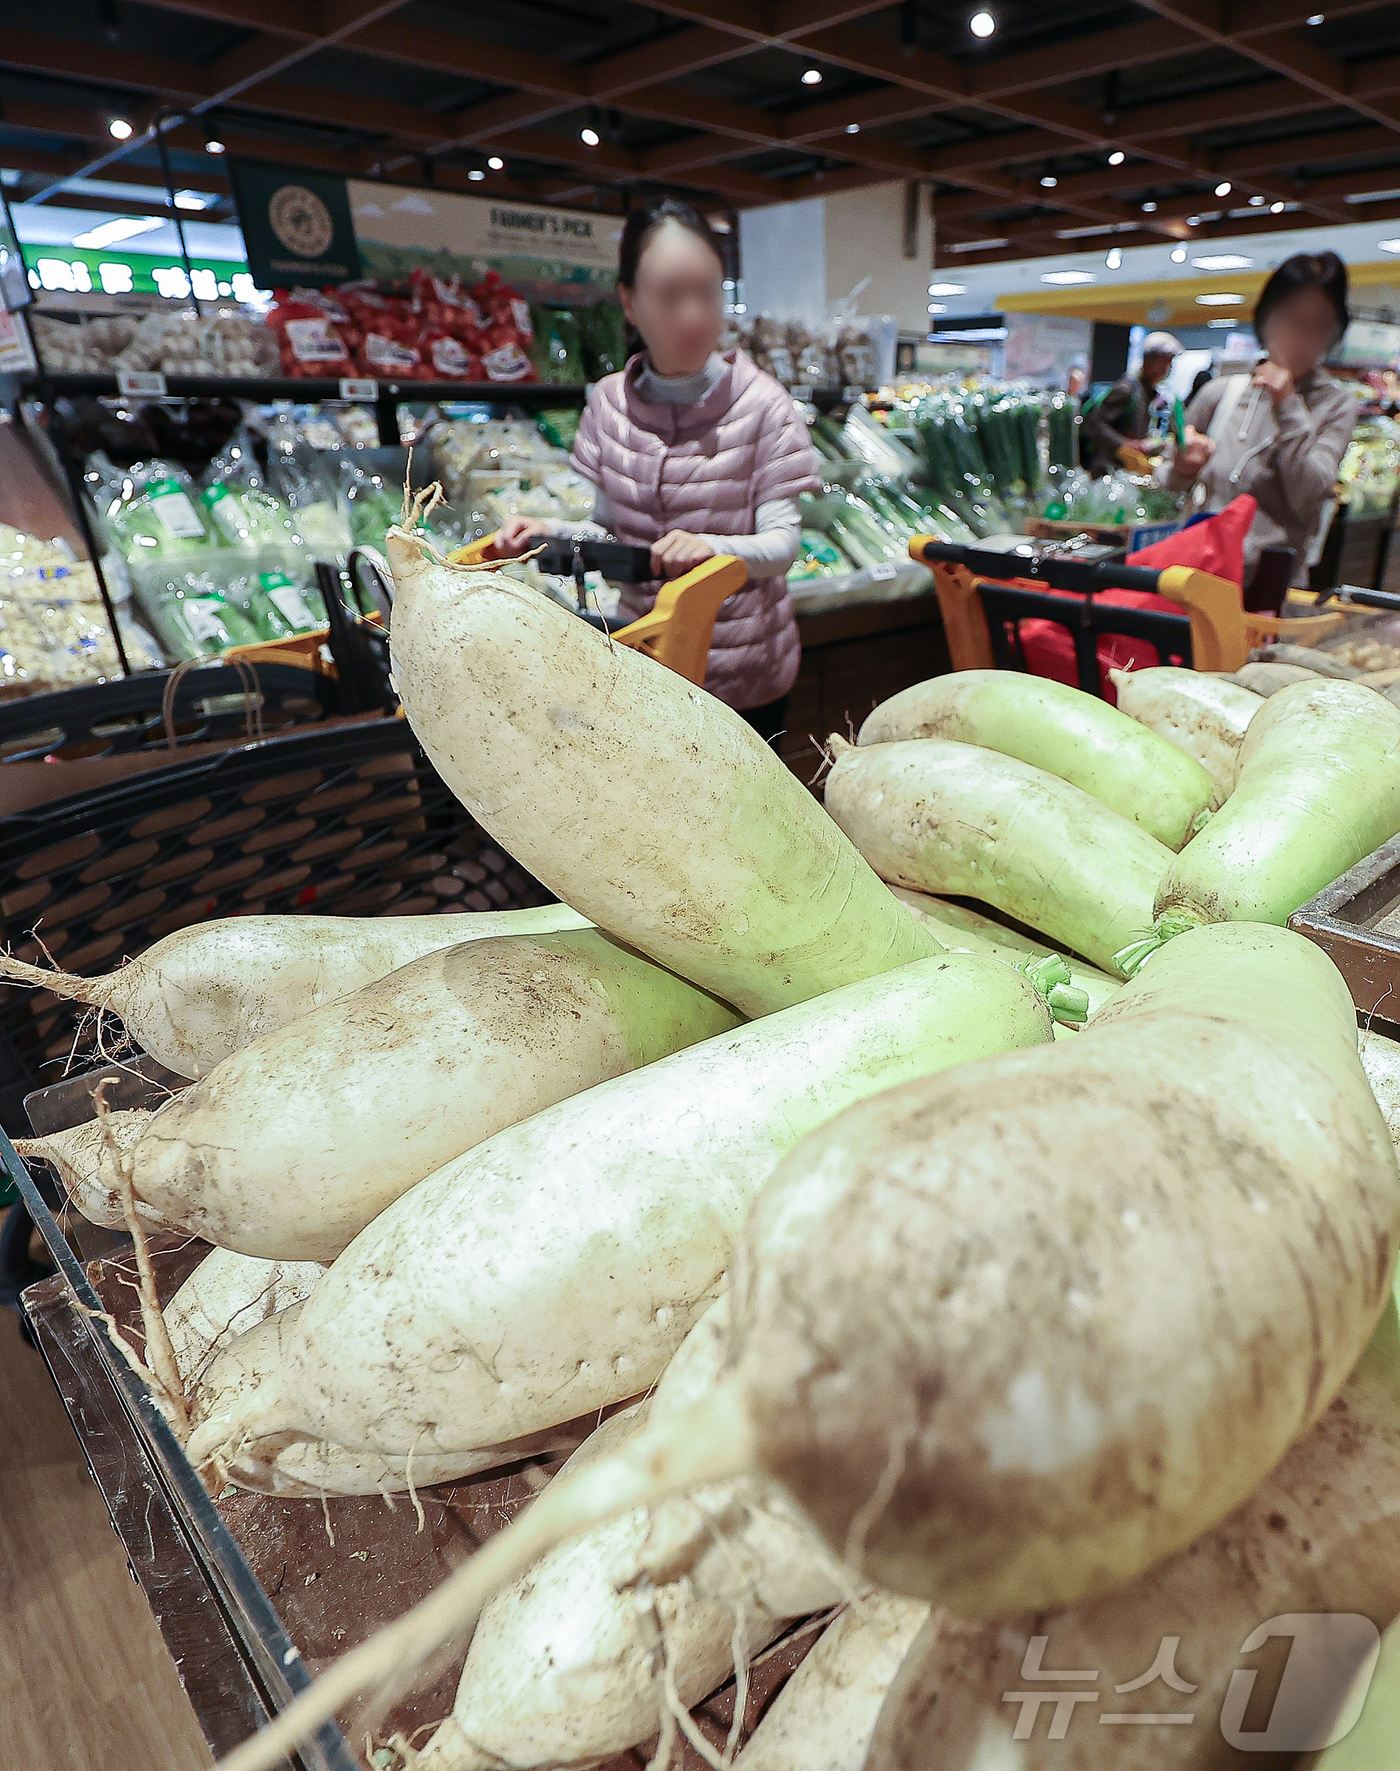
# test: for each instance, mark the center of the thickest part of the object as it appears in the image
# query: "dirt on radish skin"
(940, 817)
(566, 1666)
(1000, 1332)
(210, 989)
(1203, 715)
(558, 1266)
(281, 1151)
(1057, 728)
(639, 799)
(823, 1718)
(76, 1154)
(1320, 1535)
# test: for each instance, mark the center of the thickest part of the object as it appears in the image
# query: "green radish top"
(1317, 790)
(1063, 731)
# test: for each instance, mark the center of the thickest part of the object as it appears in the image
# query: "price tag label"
(149, 382)
(851, 394)
(358, 388)
(882, 573)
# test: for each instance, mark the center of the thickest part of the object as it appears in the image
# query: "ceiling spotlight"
(1066, 277)
(1221, 300)
(496, 163)
(215, 147)
(1149, 207)
(1049, 182)
(589, 137)
(475, 174)
(938, 307)
(120, 130)
(1114, 261)
(853, 129)
(1277, 208)
(982, 24)
(1224, 188)
(1117, 157)
(1256, 202)
(1317, 18)
(811, 77)
(1178, 255)
(192, 200)
(1193, 221)
(947, 288)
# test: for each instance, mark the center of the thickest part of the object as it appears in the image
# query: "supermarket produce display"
(789, 1225)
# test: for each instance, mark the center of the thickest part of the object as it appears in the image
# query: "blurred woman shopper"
(695, 453)
(1281, 432)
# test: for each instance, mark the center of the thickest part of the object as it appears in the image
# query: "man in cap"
(1120, 419)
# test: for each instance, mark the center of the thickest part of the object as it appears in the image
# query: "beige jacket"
(1287, 458)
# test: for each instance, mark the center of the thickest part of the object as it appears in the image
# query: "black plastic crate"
(351, 820)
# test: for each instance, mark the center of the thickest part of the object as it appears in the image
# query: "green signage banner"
(297, 225)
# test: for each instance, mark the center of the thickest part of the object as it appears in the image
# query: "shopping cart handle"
(1060, 572)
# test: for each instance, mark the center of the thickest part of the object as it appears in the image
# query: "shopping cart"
(676, 631)
(985, 595)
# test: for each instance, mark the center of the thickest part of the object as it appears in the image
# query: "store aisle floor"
(85, 1681)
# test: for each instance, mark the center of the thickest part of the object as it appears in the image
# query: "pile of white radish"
(917, 1309)
(213, 988)
(1204, 1168)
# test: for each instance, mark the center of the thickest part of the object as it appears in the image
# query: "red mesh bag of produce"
(444, 306)
(446, 356)
(311, 342)
(504, 308)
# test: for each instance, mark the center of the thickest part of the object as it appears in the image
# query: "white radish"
(1063, 731)
(1318, 1539)
(999, 1332)
(942, 817)
(557, 1267)
(76, 1154)
(210, 989)
(288, 1465)
(293, 1144)
(1317, 790)
(1204, 716)
(1380, 1058)
(962, 930)
(581, 1659)
(824, 1716)
(647, 804)
(226, 1295)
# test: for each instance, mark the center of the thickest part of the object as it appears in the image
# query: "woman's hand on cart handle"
(514, 536)
(678, 552)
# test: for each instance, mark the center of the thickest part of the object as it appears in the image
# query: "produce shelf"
(519, 393)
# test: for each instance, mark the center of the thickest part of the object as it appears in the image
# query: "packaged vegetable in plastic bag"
(154, 511)
(240, 508)
(603, 329)
(373, 503)
(300, 480)
(557, 351)
(443, 305)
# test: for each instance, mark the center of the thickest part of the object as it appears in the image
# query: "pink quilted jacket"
(707, 468)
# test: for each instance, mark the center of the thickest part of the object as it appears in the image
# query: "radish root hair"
(710, 1442)
(66, 984)
(160, 1354)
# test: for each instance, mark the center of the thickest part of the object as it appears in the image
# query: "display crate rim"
(1321, 920)
(213, 1547)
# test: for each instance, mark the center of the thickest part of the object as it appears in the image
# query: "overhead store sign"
(296, 225)
(549, 254)
(1369, 343)
(315, 228)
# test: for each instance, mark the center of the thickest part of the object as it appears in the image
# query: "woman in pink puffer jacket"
(695, 453)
